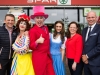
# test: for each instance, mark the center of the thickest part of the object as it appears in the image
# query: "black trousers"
(6, 66)
(79, 67)
(91, 70)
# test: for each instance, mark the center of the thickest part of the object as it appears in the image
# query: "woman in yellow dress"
(22, 63)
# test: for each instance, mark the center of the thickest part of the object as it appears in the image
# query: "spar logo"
(63, 1)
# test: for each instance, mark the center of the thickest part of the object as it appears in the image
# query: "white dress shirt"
(92, 26)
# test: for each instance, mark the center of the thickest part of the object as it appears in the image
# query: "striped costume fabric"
(22, 63)
(13, 68)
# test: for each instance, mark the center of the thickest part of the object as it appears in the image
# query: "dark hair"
(78, 30)
(11, 15)
(28, 26)
(62, 31)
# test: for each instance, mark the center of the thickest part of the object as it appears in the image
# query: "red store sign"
(49, 2)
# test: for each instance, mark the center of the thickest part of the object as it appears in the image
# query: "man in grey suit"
(91, 42)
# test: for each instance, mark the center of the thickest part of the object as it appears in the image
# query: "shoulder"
(32, 29)
(65, 38)
(78, 36)
(45, 26)
(0, 26)
(98, 25)
(2, 29)
(97, 28)
(85, 28)
(51, 35)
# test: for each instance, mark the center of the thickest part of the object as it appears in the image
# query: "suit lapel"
(94, 29)
(84, 34)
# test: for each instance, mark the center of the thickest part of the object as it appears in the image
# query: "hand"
(0, 66)
(40, 40)
(86, 62)
(26, 33)
(84, 58)
(74, 66)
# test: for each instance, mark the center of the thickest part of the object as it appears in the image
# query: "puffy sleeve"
(63, 45)
(22, 45)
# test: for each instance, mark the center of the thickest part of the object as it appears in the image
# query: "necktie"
(89, 31)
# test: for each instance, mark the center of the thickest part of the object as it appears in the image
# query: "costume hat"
(24, 16)
(39, 11)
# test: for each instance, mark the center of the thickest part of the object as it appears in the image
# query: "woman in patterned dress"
(22, 63)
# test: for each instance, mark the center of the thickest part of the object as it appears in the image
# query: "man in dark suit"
(91, 42)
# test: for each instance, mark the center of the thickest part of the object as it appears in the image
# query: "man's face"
(9, 21)
(91, 18)
(39, 20)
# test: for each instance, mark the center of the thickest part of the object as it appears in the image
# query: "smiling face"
(58, 27)
(22, 26)
(73, 28)
(9, 21)
(91, 18)
(39, 20)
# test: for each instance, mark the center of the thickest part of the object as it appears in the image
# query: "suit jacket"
(92, 45)
(74, 48)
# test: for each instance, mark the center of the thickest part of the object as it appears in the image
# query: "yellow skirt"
(24, 65)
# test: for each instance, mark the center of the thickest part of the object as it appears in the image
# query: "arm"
(26, 43)
(0, 56)
(96, 50)
(32, 36)
(79, 47)
(0, 59)
(63, 49)
(22, 46)
(34, 41)
(62, 53)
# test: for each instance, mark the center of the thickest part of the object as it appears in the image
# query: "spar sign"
(49, 2)
(64, 2)
(56, 2)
